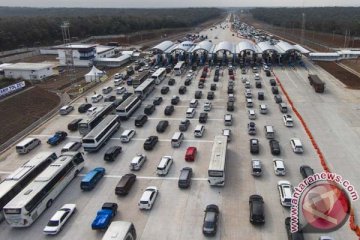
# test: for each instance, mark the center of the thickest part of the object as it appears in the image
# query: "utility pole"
(69, 58)
(302, 28)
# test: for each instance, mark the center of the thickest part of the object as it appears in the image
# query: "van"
(296, 145)
(249, 103)
(199, 131)
(111, 153)
(269, 132)
(190, 112)
(96, 98)
(194, 103)
(185, 177)
(90, 180)
(124, 185)
(279, 167)
(71, 147)
(137, 162)
(177, 139)
(283, 107)
(27, 145)
(73, 125)
(228, 119)
(127, 135)
(256, 169)
(164, 165)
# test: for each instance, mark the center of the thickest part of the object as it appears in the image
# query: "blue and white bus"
(128, 107)
(179, 68)
(159, 75)
(86, 125)
(145, 88)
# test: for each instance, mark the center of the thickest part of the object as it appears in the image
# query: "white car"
(288, 120)
(279, 167)
(137, 162)
(58, 220)
(65, 110)
(207, 106)
(120, 90)
(263, 108)
(248, 93)
(148, 198)
(251, 114)
(285, 192)
(296, 145)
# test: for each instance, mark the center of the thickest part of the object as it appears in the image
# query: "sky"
(175, 3)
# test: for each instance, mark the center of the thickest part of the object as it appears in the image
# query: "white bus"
(179, 68)
(95, 139)
(86, 125)
(145, 88)
(21, 177)
(120, 230)
(39, 195)
(159, 75)
(128, 107)
(216, 172)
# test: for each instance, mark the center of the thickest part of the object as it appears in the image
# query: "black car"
(274, 147)
(256, 204)
(275, 90)
(272, 82)
(261, 96)
(292, 236)
(162, 125)
(217, 72)
(112, 152)
(254, 146)
(73, 125)
(140, 120)
(169, 110)
(187, 82)
(157, 100)
(210, 220)
(306, 171)
(230, 106)
(201, 85)
(198, 94)
(278, 98)
(149, 109)
(216, 78)
(268, 73)
(164, 90)
(184, 125)
(194, 67)
(213, 87)
(126, 95)
(171, 82)
(110, 98)
(175, 100)
(203, 117)
(150, 143)
(210, 95)
(230, 89)
(182, 90)
(84, 107)
(258, 84)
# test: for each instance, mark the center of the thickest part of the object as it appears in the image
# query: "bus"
(39, 195)
(216, 172)
(95, 139)
(128, 107)
(159, 75)
(120, 230)
(86, 125)
(179, 68)
(145, 88)
(21, 177)
(140, 78)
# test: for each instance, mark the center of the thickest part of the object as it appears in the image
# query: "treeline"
(34, 26)
(336, 20)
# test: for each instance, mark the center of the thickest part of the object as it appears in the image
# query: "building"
(28, 71)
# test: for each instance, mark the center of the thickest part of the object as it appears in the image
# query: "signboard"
(11, 88)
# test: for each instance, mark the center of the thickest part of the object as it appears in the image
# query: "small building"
(28, 71)
(112, 62)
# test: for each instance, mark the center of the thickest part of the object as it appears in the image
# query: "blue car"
(90, 180)
(104, 216)
(57, 138)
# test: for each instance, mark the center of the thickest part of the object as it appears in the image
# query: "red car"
(232, 77)
(190, 154)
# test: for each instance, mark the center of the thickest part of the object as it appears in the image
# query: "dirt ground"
(21, 110)
(353, 64)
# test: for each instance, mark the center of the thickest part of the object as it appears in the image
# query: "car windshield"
(53, 223)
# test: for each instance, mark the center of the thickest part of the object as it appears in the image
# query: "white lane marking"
(179, 119)
(149, 177)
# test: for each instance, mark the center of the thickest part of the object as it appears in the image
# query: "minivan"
(164, 165)
(96, 98)
(124, 185)
(296, 145)
(256, 169)
(127, 135)
(194, 103)
(199, 131)
(185, 177)
(177, 139)
(190, 112)
(228, 119)
(71, 147)
(269, 132)
(111, 153)
(279, 167)
(90, 180)
(283, 107)
(27, 145)
(140, 120)
(137, 162)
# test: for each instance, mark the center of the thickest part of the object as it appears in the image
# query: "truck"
(317, 83)
(104, 216)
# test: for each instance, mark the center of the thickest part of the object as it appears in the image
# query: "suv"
(272, 82)
(148, 198)
(137, 162)
(261, 96)
(296, 145)
(164, 166)
(256, 167)
(187, 82)
(162, 125)
(171, 82)
(112, 153)
(84, 107)
(185, 177)
(164, 90)
(140, 120)
(275, 90)
(207, 106)
(65, 110)
(279, 167)
(193, 103)
(198, 94)
(149, 109)
(274, 147)
(169, 110)
(150, 142)
(285, 192)
(254, 146)
(251, 128)
(288, 121)
(184, 125)
(213, 87)
(182, 90)
(277, 98)
(175, 100)
(256, 204)
(203, 117)
(210, 95)
(227, 133)
(157, 100)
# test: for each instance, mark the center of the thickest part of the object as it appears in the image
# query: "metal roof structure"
(246, 45)
(266, 46)
(228, 46)
(204, 45)
(163, 46)
(301, 49)
(183, 46)
(27, 66)
(284, 47)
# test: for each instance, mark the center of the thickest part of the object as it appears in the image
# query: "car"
(213, 87)
(272, 82)
(74, 124)
(90, 180)
(184, 125)
(201, 84)
(248, 93)
(185, 177)
(230, 106)
(210, 95)
(251, 114)
(247, 85)
(263, 109)
(216, 78)
(120, 90)
(140, 120)
(277, 98)
(169, 110)
(296, 145)
(165, 90)
(187, 82)
(150, 143)
(182, 90)
(149, 109)
(231, 83)
(279, 167)
(257, 77)
(58, 220)
(274, 147)
(104, 216)
(57, 138)
(258, 84)
(207, 106)
(84, 107)
(254, 146)
(162, 125)
(164, 165)
(230, 89)
(288, 120)
(285, 192)
(65, 110)
(111, 153)
(203, 117)
(296, 235)
(148, 198)
(190, 154)
(251, 128)
(198, 94)
(275, 90)
(175, 100)
(127, 135)
(107, 90)
(306, 171)
(261, 96)
(227, 133)
(231, 97)
(137, 162)
(171, 82)
(157, 100)
(118, 75)
(210, 220)
(110, 98)
(256, 204)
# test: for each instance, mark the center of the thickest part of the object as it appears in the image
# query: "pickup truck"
(104, 216)
(57, 138)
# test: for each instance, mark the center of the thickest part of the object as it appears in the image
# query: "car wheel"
(49, 203)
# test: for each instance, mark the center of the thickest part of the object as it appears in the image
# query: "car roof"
(57, 216)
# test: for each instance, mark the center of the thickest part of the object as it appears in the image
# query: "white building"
(28, 71)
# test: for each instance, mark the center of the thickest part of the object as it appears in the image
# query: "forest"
(337, 20)
(28, 27)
